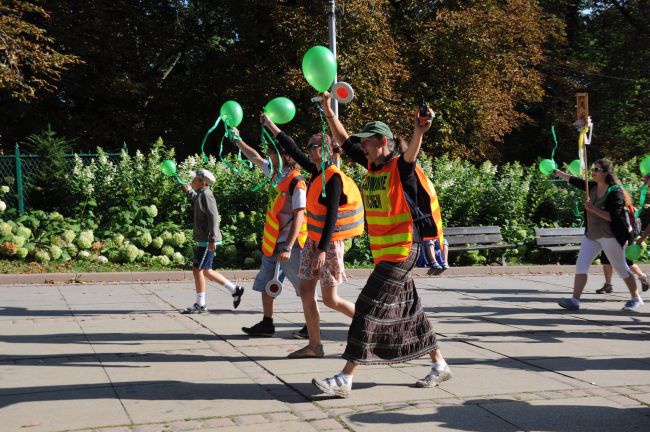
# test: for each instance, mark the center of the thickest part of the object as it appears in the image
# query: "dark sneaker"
(236, 297)
(569, 304)
(645, 283)
(606, 289)
(261, 329)
(303, 333)
(195, 309)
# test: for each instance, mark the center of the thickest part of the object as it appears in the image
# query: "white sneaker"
(633, 304)
(434, 377)
(335, 386)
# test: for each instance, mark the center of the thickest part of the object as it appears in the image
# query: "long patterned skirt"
(389, 325)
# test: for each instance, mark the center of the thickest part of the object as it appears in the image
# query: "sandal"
(308, 352)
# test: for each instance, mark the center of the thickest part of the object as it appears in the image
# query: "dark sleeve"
(580, 182)
(289, 145)
(353, 150)
(408, 177)
(333, 190)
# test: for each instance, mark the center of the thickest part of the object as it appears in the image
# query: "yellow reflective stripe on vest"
(273, 224)
(341, 215)
(394, 250)
(388, 220)
(391, 238)
(337, 228)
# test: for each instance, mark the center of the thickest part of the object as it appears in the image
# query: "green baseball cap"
(374, 128)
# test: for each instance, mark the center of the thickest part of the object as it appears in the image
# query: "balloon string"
(276, 178)
(644, 191)
(205, 158)
(554, 139)
(221, 158)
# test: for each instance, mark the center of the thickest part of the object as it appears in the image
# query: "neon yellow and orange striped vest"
(350, 215)
(390, 223)
(272, 222)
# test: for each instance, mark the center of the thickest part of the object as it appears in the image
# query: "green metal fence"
(18, 170)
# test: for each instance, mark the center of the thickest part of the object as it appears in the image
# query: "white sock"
(438, 366)
(229, 286)
(200, 298)
(347, 378)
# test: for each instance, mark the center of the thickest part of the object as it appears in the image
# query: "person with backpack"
(635, 226)
(285, 230)
(608, 229)
(389, 324)
(334, 214)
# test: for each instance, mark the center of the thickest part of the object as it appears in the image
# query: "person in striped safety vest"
(285, 230)
(334, 213)
(389, 325)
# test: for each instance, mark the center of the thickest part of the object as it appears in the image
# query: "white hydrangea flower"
(4, 189)
(3, 206)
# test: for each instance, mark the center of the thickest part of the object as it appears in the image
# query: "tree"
(28, 60)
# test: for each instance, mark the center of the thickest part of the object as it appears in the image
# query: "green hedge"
(128, 211)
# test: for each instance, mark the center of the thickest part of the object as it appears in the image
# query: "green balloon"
(633, 252)
(645, 166)
(319, 67)
(547, 166)
(574, 167)
(168, 168)
(231, 113)
(280, 110)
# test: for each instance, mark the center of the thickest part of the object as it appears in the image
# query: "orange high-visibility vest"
(272, 222)
(390, 223)
(350, 215)
(434, 205)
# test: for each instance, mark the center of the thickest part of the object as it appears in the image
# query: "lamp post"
(331, 14)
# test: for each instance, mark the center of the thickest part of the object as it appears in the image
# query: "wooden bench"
(477, 238)
(559, 240)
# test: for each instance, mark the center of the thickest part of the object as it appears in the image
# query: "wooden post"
(582, 117)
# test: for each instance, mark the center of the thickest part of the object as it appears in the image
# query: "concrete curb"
(186, 276)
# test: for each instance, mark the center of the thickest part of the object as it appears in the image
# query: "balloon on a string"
(633, 252)
(547, 166)
(319, 67)
(280, 110)
(645, 166)
(231, 113)
(574, 167)
(168, 168)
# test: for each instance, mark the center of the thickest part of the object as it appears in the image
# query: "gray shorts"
(288, 269)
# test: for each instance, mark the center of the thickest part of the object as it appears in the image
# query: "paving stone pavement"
(118, 357)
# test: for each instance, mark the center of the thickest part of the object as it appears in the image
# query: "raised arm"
(411, 153)
(288, 144)
(336, 127)
(250, 153)
(353, 150)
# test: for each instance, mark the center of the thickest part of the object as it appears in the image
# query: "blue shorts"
(288, 269)
(203, 258)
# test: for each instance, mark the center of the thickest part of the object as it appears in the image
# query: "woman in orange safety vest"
(285, 229)
(389, 325)
(334, 213)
